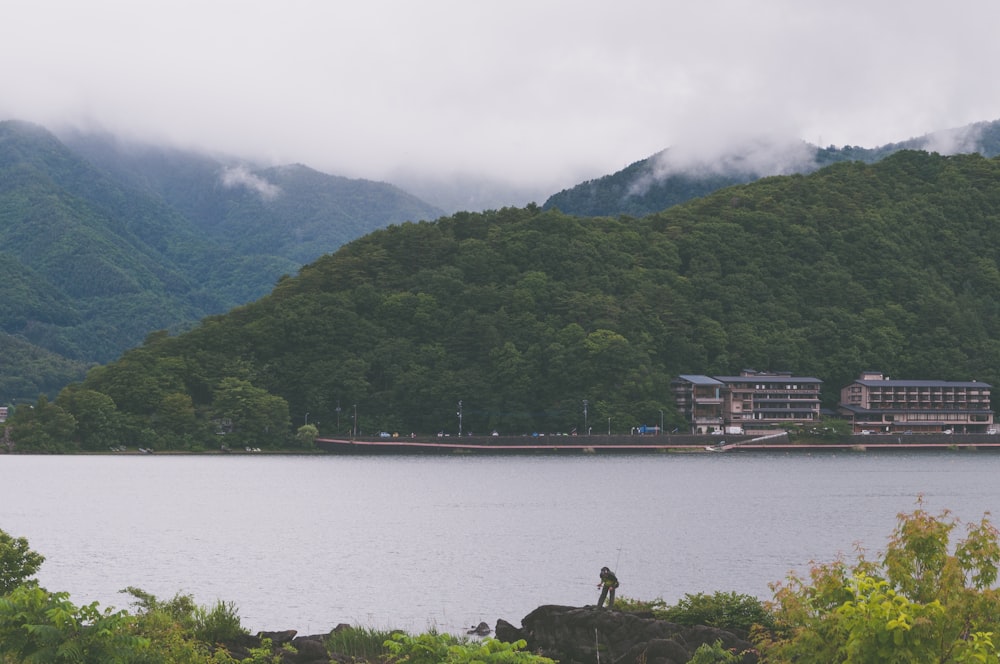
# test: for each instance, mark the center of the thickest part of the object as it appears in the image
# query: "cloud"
(240, 176)
(954, 141)
(545, 94)
(760, 155)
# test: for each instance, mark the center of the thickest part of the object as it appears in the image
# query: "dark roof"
(921, 383)
(697, 379)
(768, 379)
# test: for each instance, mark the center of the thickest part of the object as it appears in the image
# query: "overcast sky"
(527, 91)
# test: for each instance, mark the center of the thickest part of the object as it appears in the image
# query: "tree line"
(522, 314)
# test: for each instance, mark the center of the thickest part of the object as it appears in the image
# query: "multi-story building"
(752, 401)
(699, 399)
(877, 404)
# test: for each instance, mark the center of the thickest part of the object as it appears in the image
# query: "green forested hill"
(86, 266)
(291, 211)
(104, 243)
(523, 313)
(649, 185)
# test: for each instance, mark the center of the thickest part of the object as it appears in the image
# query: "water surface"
(307, 542)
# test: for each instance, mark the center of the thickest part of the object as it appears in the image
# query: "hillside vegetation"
(102, 242)
(521, 314)
(663, 180)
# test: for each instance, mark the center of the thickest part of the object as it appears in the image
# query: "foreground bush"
(359, 643)
(39, 626)
(725, 610)
(434, 648)
(925, 600)
(18, 563)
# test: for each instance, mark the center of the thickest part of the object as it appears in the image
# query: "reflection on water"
(309, 542)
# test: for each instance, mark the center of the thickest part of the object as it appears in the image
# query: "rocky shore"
(569, 635)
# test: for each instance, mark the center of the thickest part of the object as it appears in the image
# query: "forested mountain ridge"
(662, 180)
(291, 211)
(105, 242)
(523, 313)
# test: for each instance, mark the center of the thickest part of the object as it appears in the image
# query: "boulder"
(482, 629)
(278, 638)
(574, 635)
(306, 649)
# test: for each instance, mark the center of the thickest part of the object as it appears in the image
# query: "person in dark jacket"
(607, 585)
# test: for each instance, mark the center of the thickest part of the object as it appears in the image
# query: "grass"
(359, 643)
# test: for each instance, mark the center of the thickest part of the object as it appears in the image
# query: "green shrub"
(725, 610)
(359, 643)
(18, 563)
(221, 624)
(655, 606)
(713, 654)
(927, 599)
(435, 648)
(39, 626)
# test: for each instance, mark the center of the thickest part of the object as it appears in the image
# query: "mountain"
(290, 211)
(670, 178)
(520, 315)
(103, 242)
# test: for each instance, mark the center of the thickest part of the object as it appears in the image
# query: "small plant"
(435, 648)
(359, 643)
(713, 654)
(655, 606)
(725, 610)
(220, 624)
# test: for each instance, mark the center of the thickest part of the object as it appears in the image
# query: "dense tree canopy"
(102, 242)
(522, 314)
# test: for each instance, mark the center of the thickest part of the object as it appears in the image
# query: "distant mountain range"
(669, 178)
(103, 242)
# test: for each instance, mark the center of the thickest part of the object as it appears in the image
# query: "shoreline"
(579, 445)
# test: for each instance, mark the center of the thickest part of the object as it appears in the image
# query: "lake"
(307, 542)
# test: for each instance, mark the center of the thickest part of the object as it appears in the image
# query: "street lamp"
(354, 429)
(460, 418)
(609, 426)
(585, 416)
(338, 416)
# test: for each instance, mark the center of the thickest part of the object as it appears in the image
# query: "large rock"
(586, 635)
(306, 649)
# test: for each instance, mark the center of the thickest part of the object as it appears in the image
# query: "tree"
(177, 423)
(259, 419)
(924, 601)
(44, 427)
(18, 563)
(306, 435)
(98, 425)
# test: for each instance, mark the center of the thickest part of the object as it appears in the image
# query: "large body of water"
(307, 542)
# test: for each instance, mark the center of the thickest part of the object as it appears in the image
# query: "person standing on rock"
(607, 585)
